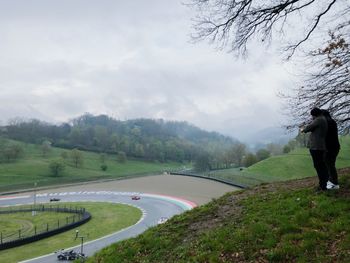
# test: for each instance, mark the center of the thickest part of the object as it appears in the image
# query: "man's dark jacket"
(332, 141)
(318, 128)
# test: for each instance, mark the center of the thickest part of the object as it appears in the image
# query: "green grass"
(106, 218)
(23, 223)
(34, 167)
(293, 225)
(294, 165)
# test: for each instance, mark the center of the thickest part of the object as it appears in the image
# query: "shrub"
(286, 149)
(56, 167)
(104, 167)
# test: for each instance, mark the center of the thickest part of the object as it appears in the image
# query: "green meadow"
(106, 218)
(294, 165)
(33, 167)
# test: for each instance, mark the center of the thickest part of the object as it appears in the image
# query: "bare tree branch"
(235, 23)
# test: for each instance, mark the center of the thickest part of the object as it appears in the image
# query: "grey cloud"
(128, 59)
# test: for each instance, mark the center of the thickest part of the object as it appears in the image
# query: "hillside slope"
(294, 165)
(151, 139)
(297, 164)
(33, 167)
(279, 222)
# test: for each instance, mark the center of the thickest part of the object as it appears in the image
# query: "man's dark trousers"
(331, 157)
(318, 158)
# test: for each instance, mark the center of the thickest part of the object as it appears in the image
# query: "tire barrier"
(79, 217)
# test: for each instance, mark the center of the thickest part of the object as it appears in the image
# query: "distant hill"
(260, 138)
(151, 139)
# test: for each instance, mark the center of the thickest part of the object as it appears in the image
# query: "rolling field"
(33, 167)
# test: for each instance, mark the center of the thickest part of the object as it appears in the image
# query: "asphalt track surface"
(161, 196)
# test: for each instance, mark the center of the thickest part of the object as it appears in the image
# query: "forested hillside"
(140, 138)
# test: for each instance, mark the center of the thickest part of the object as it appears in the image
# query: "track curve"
(156, 201)
(153, 207)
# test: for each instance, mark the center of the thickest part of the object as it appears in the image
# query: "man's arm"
(312, 126)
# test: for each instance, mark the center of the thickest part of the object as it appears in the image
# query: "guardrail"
(18, 238)
(209, 178)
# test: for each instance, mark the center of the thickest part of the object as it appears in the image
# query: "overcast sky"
(130, 59)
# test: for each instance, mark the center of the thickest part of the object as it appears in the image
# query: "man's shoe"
(333, 186)
(329, 184)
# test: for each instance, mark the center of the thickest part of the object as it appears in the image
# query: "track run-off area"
(160, 196)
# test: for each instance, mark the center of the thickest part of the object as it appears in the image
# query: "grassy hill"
(282, 221)
(298, 163)
(279, 222)
(34, 167)
(294, 165)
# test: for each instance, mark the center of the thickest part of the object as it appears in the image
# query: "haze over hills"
(141, 138)
(255, 138)
(262, 137)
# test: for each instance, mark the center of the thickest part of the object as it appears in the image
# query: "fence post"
(19, 233)
(34, 230)
(47, 227)
(58, 223)
(1, 237)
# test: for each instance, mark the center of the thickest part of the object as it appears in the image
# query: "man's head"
(315, 112)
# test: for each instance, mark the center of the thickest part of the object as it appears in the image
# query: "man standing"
(317, 145)
(333, 147)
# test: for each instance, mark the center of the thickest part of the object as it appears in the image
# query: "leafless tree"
(233, 24)
(327, 85)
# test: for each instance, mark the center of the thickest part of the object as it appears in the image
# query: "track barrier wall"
(209, 178)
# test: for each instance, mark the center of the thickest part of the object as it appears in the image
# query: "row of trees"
(143, 138)
(238, 155)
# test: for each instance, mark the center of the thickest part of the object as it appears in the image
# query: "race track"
(161, 196)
